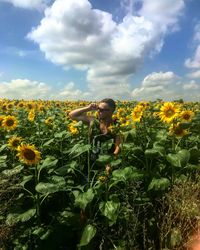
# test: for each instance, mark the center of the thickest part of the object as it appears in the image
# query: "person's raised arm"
(117, 145)
(80, 113)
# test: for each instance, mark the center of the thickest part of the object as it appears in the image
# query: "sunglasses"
(102, 110)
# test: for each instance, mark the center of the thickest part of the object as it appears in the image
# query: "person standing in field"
(99, 128)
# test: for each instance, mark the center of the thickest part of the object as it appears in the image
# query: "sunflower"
(168, 112)
(9, 122)
(10, 105)
(30, 105)
(123, 122)
(177, 130)
(120, 112)
(49, 121)
(14, 142)
(31, 115)
(137, 113)
(1, 120)
(144, 104)
(20, 105)
(28, 154)
(73, 130)
(102, 178)
(186, 115)
(4, 107)
(40, 108)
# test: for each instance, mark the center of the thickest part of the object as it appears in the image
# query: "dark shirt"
(98, 140)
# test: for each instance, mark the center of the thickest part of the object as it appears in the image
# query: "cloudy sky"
(92, 49)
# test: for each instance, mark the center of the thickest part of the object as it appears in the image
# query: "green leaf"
(61, 134)
(159, 184)
(104, 159)
(154, 152)
(128, 146)
(137, 151)
(159, 148)
(192, 166)
(194, 155)
(83, 199)
(49, 162)
(3, 147)
(79, 149)
(48, 142)
(26, 179)
(3, 158)
(127, 173)
(180, 159)
(13, 218)
(42, 233)
(129, 135)
(68, 168)
(161, 135)
(14, 171)
(57, 183)
(87, 235)
(110, 209)
(115, 162)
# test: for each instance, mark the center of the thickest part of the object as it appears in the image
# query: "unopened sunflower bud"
(108, 169)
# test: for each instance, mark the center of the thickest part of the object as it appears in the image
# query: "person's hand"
(92, 106)
(117, 150)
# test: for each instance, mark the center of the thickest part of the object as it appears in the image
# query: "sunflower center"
(186, 117)
(15, 143)
(137, 114)
(178, 131)
(29, 154)
(10, 122)
(170, 112)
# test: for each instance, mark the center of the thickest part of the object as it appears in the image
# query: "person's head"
(106, 108)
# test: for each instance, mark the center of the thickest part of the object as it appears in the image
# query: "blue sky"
(81, 49)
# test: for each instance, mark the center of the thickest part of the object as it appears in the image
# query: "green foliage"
(179, 159)
(159, 184)
(110, 209)
(23, 217)
(83, 199)
(124, 202)
(88, 233)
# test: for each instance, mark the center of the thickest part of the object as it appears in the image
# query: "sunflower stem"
(37, 198)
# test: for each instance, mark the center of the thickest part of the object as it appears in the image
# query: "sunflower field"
(52, 197)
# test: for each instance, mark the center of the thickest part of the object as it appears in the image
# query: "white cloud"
(70, 92)
(161, 85)
(128, 6)
(73, 34)
(164, 14)
(191, 85)
(28, 4)
(194, 62)
(23, 88)
(27, 89)
(159, 79)
(195, 74)
(155, 85)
